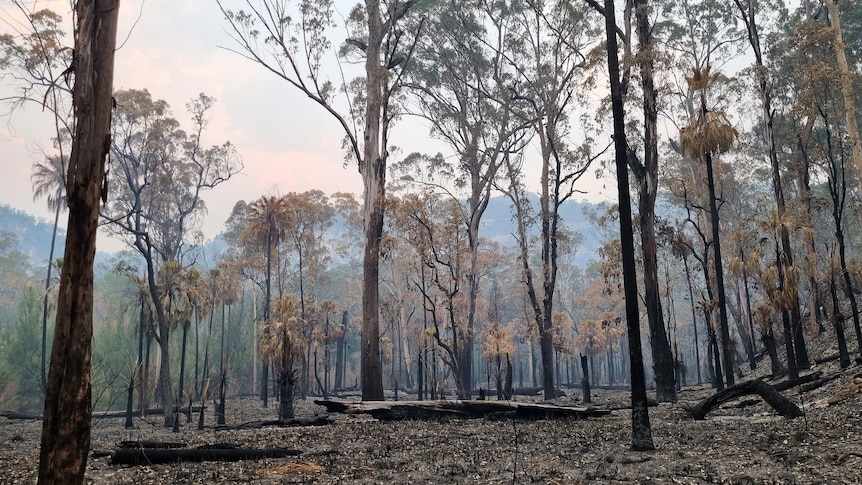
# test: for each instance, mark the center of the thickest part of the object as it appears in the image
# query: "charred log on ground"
(781, 404)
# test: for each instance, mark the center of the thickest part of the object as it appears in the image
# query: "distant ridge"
(497, 225)
(32, 235)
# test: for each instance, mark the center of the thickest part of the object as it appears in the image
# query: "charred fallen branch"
(151, 444)
(21, 416)
(153, 456)
(394, 410)
(304, 421)
(785, 407)
(146, 412)
(820, 382)
(791, 383)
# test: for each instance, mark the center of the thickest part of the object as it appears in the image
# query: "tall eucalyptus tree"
(645, 171)
(65, 441)
(846, 83)
(290, 39)
(550, 68)
(465, 89)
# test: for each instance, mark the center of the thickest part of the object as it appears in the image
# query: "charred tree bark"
(769, 343)
(339, 353)
(585, 380)
(390, 410)
(153, 456)
(723, 325)
(646, 175)
(66, 426)
(508, 391)
(838, 321)
(641, 430)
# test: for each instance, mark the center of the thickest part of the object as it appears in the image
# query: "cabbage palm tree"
(267, 218)
(283, 346)
(227, 294)
(710, 132)
(49, 181)
(179, 299)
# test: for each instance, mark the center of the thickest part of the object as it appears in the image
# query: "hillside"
(497, 225)
(32, 235)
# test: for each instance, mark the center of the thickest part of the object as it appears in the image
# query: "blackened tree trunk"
(838, 321)
(287, 384)
(585, 380)
(176, 423)
(752, 362)
(44, 372)
(339, 353)
(66, 422)
(264, 377)
(222, 385)
(137, 369)
(508, 392)
(838, 192)
(785, 407)
(646, 175)
(803, 184)
(723, 326)
(145, 383)
(693, 316)
(641, 430)
(769, 344)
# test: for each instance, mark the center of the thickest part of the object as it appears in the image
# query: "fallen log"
(785, 407)
(151, 444)
(789, 384)
(394, 410)
(303, 421)
(828, 358)
(17, 415)
(153, 456)
(147, 412)
(820, 382)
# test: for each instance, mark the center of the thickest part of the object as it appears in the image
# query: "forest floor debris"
(748, 444)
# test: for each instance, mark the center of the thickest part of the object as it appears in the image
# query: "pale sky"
(286, 142)
(173, 49)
